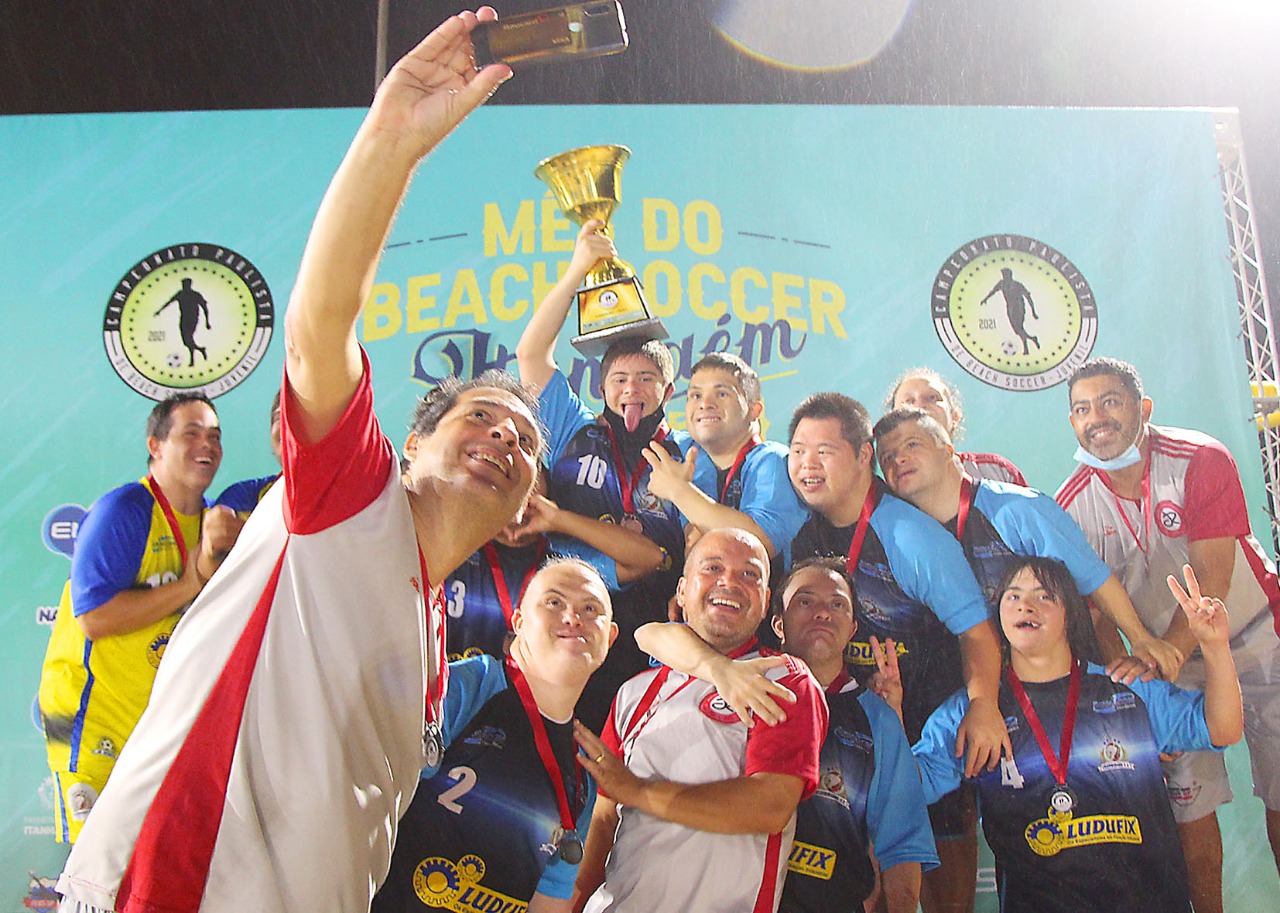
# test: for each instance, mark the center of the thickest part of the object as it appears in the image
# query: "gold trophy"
(586, 183)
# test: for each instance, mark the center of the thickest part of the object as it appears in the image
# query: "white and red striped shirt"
(1192, 492)
(283, 740)
(993, 467)
(680, 729)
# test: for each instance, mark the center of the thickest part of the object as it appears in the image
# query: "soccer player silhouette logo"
(1016, 302)
(190, 304)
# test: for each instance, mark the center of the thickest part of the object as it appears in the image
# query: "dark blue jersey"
(1117, 848)
(482, 830)
(477, 620)
(868, 792)
(584, 478)
(1008, 521)
(914, 585)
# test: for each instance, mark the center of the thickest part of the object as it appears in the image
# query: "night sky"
(146, 55)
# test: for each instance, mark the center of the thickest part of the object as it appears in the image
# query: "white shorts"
(1197, 780)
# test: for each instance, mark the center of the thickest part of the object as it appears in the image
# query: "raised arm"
(535, 350)
(982, 736)
(634, 554)
(672, 481)
(742, 683)
(423, 98)
(1207, 618)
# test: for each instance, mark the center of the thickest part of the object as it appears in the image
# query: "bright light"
(811, 34)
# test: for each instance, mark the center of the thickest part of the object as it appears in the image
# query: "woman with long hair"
(1078, 818)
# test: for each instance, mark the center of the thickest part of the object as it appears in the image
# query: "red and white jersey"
(283, 739)
(665, 724)
(991, 466)
(1191, 491)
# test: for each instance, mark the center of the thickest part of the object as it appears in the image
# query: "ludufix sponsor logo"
(191, 316)
(1060, 831)
(814, 861)
(1014, 312)
(859, 652)
(442, 884)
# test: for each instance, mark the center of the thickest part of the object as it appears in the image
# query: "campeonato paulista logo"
(188, 317)
(1014, 312)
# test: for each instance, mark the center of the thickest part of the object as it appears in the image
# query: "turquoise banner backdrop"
(831, 247)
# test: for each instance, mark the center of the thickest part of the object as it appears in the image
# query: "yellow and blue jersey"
(243, 496)
(93, 692)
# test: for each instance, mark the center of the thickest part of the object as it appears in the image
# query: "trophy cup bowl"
(587, 184)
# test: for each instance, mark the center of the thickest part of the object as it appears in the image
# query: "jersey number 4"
(1009, 774)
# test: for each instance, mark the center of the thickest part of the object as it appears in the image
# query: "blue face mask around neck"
(1123, 461)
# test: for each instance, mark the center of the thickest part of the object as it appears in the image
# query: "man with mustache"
(996, 523)
(1151, 499)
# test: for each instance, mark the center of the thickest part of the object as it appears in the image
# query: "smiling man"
(598, 467)
(1151, 499)
(915, 587)
(733, 478)
(869, 791)
(996, 522)
(144, 552)
(488, 825)
(301, 695)
(703, 807)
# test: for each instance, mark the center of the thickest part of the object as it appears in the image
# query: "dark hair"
(831, 563)
(892, 421)
(954, 400)
(444, 396)
(160, 421)
(653, 349)
(748, 379)
(1061, 586)
(855, 421)
(1108, 367)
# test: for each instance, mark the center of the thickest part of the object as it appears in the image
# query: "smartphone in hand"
(574, 32)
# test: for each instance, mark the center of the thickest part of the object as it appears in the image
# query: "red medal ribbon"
(627, 483)
(860, 532)
(649, 704)
(1057, 765)
(842, 678)
(737, 463)
(436, 689)
(543, 743)
(167, 509)
(968, 491)
(1144, 507)
(500, 582)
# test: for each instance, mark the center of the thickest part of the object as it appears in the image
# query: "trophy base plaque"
(611, 311)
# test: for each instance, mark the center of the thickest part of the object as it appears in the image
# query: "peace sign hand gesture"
(1206, 615)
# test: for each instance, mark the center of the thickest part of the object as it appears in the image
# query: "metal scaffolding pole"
(1257, 328)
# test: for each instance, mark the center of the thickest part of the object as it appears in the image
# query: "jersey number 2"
(466, 778)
